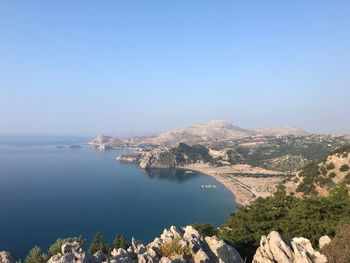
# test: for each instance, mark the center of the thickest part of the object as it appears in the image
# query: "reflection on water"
(178, 175)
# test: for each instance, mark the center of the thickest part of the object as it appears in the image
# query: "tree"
(120, 242)
(97, 244)
(206, 229)
(35, 256)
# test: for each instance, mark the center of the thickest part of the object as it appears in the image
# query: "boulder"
(323, 241)
(201, 257)
(100, 256)
(5, 257)
(222, 251)
(70, 247)
(273, 249)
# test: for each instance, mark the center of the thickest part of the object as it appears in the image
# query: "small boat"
(208, 186)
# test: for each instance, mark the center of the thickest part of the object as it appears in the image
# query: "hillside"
(281, 131)
(318, 178)
(212, 130)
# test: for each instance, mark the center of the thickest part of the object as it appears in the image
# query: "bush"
(206, 229)
(347, 179)
(344, 168)
(323, 170)
(342, 150)
(174, 248)
(338, 251)
(332, 175)
(120, 242)
(310, 175)
(325, 181)
(330, 166)
(35, 256)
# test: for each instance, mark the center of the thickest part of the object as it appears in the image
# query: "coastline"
(245, 189)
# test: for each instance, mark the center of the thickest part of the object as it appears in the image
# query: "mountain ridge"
(206, 131)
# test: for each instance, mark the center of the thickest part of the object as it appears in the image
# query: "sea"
(49, 190)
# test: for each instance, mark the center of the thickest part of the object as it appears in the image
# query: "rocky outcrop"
(72, 252)
(273, 249)
(103, 142)
(324, 241)
(165, 248)
(158, 158)
(129, 158)
(5, 257)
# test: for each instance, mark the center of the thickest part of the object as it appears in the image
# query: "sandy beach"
(261, 183)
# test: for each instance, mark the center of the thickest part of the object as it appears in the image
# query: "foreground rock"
(187, 245)
(6, 257)
(275, 250)
(174, 245)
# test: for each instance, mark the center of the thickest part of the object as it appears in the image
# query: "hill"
(317, 178)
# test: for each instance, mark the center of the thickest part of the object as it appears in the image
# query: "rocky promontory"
(129, 158)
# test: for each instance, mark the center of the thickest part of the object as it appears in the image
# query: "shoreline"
(244, 189)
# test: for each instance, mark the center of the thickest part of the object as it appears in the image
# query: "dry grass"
(175, 248)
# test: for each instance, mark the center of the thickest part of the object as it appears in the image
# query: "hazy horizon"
(119, 68)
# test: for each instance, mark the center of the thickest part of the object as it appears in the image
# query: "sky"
(141, 67)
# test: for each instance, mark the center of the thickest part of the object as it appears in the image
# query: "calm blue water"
(48, 192)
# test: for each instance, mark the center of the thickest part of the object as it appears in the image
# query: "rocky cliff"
(187, 245)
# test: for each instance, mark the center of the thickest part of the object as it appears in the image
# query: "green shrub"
(332, 175)
(97, 244)
(347, 179)
(206, 229)
(120, 242)
(325, 181)
(344, 168)
(323, 170)
(330, 166)
(35, 256)
(338, 251)
(310, 175)
(342, 150)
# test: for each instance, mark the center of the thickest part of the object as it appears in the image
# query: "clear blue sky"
(87, 67)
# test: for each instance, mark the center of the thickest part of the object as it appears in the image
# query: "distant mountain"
(221, 130)
(215, 130)
(211, 130)
(281, 131)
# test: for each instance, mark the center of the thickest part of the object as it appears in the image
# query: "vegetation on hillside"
(191, 154)
(309, 217)
(286, 153)
(321, 174)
